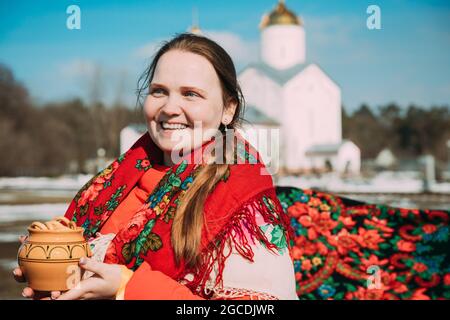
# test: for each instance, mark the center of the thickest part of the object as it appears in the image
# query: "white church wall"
(261, 92)
(317, 162)
(128, 136)
(321, 161)
(320, 99)
(295, 130)
(351, 154)
(312, 115)
(283, 46)
(267, 140)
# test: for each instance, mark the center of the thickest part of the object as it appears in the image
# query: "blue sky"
(407, 61)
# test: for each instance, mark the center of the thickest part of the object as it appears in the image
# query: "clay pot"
(49, 256)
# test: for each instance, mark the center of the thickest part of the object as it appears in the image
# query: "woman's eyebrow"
(194, 88)
(157, 85)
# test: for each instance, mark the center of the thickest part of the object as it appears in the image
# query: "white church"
(282, 91)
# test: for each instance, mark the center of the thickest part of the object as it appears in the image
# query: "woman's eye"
(191, 94)
(157, 91)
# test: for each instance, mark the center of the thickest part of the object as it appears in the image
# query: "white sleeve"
(270, 275)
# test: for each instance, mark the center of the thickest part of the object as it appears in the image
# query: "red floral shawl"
(146, 237)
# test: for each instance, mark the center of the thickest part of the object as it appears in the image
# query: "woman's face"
(184, 102)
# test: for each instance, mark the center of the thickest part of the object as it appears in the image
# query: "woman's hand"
(104, 284)
(28, 292)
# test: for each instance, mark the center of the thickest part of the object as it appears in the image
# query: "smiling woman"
(193, 226)
(186, 94)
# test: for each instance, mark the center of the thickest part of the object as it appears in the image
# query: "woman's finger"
(18, 275)
(79, 291)
(73, 294)
(43, 295)
(55, 295)
(92, 265)
(22, 238)
(89, 296)
(27, 292)
(35, 295)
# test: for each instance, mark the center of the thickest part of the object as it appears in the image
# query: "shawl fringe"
(239, 233)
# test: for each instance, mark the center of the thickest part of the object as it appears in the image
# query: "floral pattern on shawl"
(345, 249)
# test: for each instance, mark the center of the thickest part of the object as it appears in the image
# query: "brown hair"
(188, 221)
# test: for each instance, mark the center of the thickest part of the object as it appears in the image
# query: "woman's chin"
(169, 139)
(175, 143)
(168, 146)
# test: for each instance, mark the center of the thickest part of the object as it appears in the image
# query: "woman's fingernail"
(14, 272)
(24, 295)
(83, 260)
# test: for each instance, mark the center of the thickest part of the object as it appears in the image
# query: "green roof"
(326, 148)
(279, 76)
(255, 116)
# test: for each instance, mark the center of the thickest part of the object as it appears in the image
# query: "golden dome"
(196, 30)
(280, 15)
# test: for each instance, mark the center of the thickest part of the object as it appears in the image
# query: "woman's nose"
(172, 106)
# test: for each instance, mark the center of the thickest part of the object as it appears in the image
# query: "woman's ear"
(228, 112)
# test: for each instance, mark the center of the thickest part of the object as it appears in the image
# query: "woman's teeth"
(173, 126)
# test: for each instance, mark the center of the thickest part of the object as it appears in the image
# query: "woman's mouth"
(173, 126)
